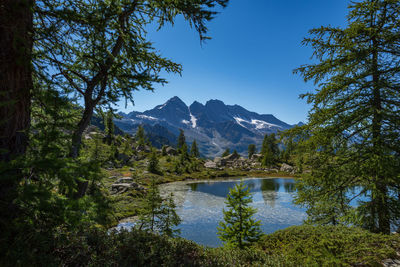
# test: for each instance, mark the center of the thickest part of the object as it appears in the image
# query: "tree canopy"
(352, 140)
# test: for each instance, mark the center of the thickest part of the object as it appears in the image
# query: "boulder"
(171, 151)
(124, 180)
(210, 165)
(286, 168)
(256, 157)
(231, 157)
(119, 188)
(143, 148)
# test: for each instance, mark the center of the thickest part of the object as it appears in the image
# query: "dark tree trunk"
(16, 27)
(76, 146)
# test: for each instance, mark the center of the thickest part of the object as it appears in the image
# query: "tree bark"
(16, 28)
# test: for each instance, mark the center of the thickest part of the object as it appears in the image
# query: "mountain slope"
(215, 126)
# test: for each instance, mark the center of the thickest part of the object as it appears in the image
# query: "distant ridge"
(214, 125)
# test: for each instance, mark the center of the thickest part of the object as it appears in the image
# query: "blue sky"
(254, 48)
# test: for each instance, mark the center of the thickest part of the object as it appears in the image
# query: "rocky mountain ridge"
(214, 125)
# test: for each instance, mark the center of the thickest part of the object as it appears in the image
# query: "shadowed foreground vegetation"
(294, 246)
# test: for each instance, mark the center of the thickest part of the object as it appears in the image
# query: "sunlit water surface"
(200, 204)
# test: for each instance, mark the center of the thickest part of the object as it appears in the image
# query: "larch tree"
(181, 140)
(251, 150)
(98, 51)
(239, 228)
(194, 150)
(352, 140)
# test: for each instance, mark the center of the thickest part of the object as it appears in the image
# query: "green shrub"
(330, 245)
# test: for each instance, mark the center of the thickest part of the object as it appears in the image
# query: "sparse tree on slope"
(352, 140)
(269, 150)
(181, 140)
(227, 152)
(194, 151)
(251, 150)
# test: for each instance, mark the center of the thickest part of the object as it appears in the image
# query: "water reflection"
(200, 204)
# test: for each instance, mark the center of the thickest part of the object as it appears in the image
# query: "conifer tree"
(181, 140)
(148, 220)
(227, 152)
(352, 140)
(140, 136)
(269, 150)
(109, 125)
(194, 151)
(153, 166)
(239, 229)
(251, 150)
(168, 218)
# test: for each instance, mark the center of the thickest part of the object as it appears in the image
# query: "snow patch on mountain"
(147, 117)
(193, 119)
(263, 125)
(240, 121)
(162, 106)
(186, 122)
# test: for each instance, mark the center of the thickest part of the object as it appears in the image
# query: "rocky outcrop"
(210, 165)
(125, 184)
(171, 151)
(287, 168)
(143, 148)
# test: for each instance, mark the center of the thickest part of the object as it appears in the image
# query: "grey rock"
(210, 165)
(286, 168)
(171, 151)
(124, 180)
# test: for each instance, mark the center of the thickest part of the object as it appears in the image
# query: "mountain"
(215, 126)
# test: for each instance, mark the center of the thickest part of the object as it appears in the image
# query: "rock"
(120, 188)
(143, 148)
(131, 169)
(171, 151)
(124, 180)
(286, 168)
(256, 157)
(112, 177)
(231, 157)
(210, 165)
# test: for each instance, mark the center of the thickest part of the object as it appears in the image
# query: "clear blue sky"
(255, 47)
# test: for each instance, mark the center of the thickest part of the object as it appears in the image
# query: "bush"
(330, 245)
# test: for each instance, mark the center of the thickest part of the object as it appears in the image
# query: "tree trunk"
(16, 28)
(76, 146)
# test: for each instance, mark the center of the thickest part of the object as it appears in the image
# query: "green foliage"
(140, 136)
(330, 246)
(158, 215)
(269, 150)
(227, 152)
(153, 166)
(251, 150)
(352, 142)
(239, 229)
(109, 127)
(164, 150)
(181, 141)
(194, 151)
(168, 217)
(235, 153)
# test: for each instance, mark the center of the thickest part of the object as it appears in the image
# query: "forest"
(69, 175)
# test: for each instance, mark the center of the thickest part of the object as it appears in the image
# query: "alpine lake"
(200, 205)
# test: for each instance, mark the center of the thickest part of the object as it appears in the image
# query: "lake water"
(200, 204)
